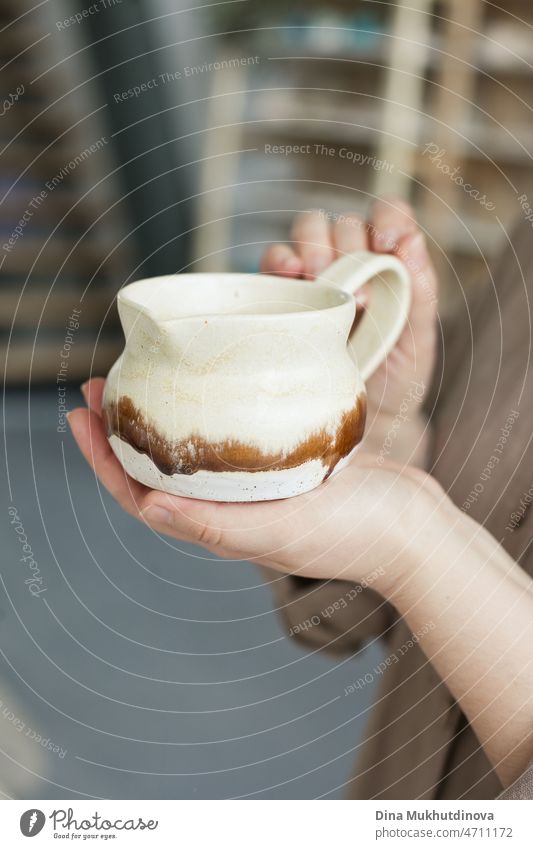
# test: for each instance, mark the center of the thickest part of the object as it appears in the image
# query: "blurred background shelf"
(64, 255)
(384, 81)
(188, 177)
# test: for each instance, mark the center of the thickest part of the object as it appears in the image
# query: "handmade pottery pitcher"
(242, 387)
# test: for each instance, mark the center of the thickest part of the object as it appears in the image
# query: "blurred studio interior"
(145, 138)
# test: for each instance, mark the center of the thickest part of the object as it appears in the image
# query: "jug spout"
(143, 333)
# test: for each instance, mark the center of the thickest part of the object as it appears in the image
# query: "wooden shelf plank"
(54, 303)
(43, 362)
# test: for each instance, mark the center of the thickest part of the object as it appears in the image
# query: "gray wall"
(164, 667)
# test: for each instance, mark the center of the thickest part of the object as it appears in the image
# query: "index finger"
(93, 390)
(312, 239)
(390, 220)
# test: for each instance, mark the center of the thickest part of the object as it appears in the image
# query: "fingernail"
(67, 416)
(83, 389)
(291, 265)
(388, 239)
(157, 515)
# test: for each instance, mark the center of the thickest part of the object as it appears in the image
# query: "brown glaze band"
(194, 453)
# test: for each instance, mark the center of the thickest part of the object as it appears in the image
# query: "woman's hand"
(363, 518)
(404, 376)
(467, 602)
(469, 605)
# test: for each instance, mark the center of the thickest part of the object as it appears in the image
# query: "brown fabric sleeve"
(457, 330)
(522, 787)
(336, 616)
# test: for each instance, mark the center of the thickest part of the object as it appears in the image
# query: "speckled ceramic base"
(225, 486)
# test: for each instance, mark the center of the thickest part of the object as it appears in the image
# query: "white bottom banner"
(267, 824)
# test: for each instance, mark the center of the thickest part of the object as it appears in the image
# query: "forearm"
(478, 604)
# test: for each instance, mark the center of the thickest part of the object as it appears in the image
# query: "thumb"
(242, 530)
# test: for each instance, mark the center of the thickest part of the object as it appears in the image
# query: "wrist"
(433, 559)
(421, 532)
(399, 436)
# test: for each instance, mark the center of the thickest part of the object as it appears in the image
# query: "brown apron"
(418, 744)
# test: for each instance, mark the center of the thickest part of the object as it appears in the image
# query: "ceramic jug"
(243, 387)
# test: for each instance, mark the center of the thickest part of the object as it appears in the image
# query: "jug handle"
(388, 308)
